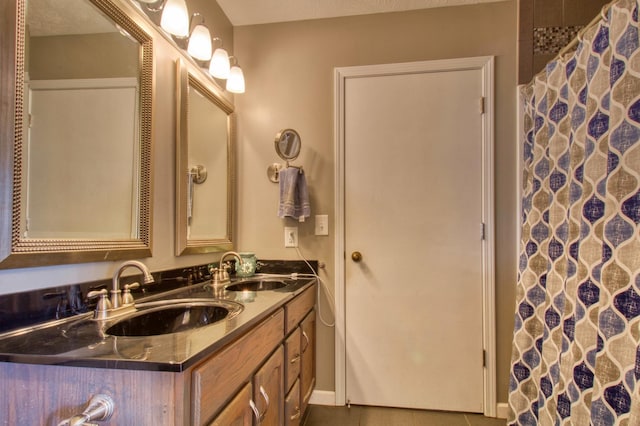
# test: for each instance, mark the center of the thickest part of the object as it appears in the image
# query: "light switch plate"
(322, 224)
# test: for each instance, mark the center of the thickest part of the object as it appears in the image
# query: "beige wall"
(82, 56)
(289, 74)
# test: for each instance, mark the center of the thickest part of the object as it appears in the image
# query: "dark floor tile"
(480, 420)
(357, 415)
(320, 415)
(438, 418)
(378, 416)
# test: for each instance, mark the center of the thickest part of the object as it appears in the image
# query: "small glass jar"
(248, 266)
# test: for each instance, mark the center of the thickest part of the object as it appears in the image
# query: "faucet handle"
(127, 298)
(224, 270)
(103, 305)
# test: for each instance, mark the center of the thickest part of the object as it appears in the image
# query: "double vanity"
(181, 357)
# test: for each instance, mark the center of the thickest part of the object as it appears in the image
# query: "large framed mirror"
(76, 133)
(204, 165)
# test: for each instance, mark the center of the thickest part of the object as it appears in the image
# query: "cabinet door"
(268, 390)
(292, 358)
(238, 412)
(292, 411)
(308, 368)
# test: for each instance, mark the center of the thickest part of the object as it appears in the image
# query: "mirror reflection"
(81, 126)
(205, 137)
(81, 136)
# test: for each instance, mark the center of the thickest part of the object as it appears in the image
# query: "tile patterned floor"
(320, 415)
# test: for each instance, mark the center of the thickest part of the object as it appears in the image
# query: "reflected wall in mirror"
(78, 135)
(205, 137)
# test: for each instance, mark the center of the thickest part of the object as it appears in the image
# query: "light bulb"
(219, 66)
(175, 18)
(235, 82)
(200, 43)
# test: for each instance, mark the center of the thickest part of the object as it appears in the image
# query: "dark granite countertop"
(81, 341)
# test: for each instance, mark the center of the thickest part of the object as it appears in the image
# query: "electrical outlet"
(322, 224)
(291, 236)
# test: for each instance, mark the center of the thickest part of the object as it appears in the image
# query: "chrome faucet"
(116, 299)
(220, 275)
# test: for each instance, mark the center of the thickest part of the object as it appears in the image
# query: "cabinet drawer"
(238, 412)
(292, 358)
(292, 411)
(298, 308)
(216, 379)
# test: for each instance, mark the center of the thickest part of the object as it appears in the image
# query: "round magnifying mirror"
(288, 144)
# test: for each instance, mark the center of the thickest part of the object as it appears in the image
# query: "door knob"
(356, 256)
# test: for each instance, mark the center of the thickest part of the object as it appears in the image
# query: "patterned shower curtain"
(576, 356)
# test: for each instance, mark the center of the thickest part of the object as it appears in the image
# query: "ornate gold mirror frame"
(205, 137)
(15, 249)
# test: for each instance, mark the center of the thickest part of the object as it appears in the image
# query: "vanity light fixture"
(200, 40)
(235, 82)
(175, 21)
(219, 66)
(175, 18)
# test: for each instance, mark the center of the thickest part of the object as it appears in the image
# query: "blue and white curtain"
(576, 356)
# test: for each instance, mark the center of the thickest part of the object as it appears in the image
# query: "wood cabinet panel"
(217, 379)
(292, 357)
(297, 309)
(308, 367)
(238, 412)
(292, 411)
(268, 390)
(47, 394)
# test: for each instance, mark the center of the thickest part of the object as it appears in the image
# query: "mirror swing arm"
(16, 250)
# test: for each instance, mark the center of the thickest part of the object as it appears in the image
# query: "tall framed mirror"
(75, 145)
(204, 165)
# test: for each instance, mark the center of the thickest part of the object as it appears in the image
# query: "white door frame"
(485, 64)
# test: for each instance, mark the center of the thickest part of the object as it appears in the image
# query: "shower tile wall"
(546, 26)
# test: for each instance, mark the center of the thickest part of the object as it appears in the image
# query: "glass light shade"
(200, 43)
(235, 82)
(220, 65)
(175, 18)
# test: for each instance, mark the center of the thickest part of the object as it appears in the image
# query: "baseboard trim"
(320, 397)
(502, 410)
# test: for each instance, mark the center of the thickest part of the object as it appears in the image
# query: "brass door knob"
(356, 256)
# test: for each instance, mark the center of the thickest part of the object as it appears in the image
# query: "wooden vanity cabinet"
(219, 390)
(299, 355)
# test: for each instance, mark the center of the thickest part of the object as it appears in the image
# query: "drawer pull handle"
(256, 413)
(266, 400)
(295, 359)
(100, 407)
(306, 338)
(296, 415)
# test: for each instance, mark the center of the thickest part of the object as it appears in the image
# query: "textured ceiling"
(249, 12)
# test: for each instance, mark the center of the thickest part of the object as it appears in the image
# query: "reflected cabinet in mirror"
(76, 133)
(204, 165)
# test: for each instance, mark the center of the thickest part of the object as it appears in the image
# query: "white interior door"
(413, 208)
